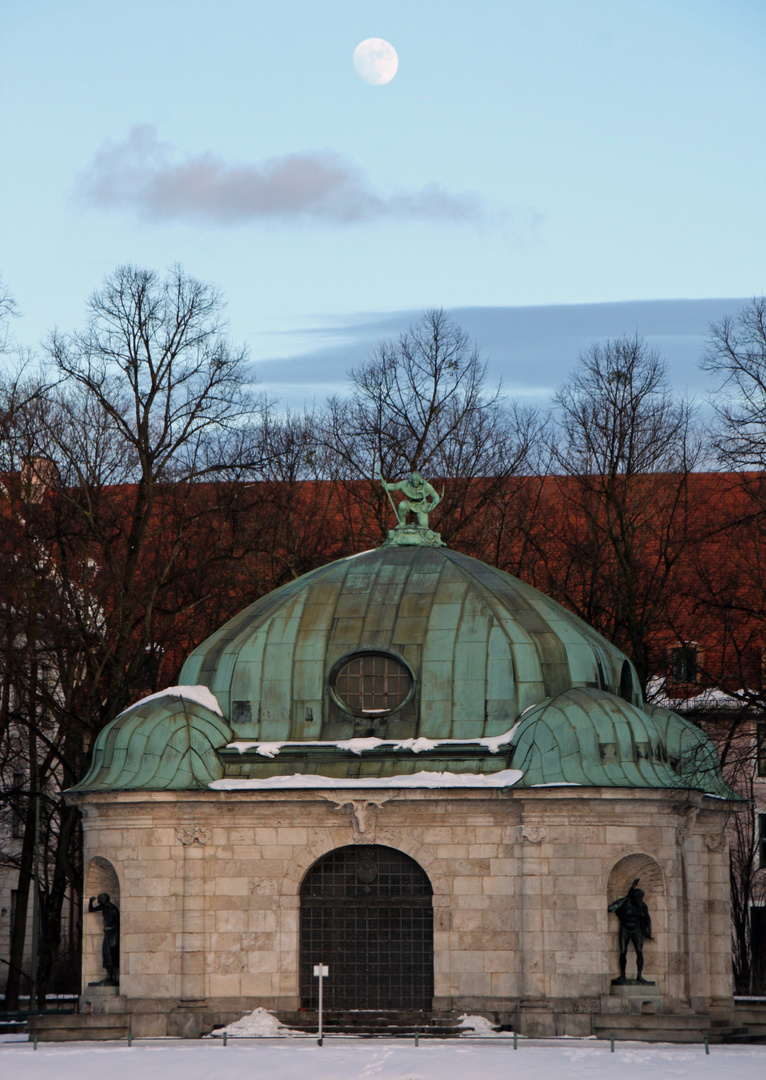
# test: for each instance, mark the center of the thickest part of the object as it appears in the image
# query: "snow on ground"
(263, 1023)
(378, 1059)
(480, 1026)
(258, 1022)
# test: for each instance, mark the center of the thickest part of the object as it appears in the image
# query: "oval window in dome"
(371, 684)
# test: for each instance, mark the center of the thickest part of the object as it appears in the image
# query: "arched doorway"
(367, 912)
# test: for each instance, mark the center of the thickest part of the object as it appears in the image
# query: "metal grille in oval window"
(372, 684)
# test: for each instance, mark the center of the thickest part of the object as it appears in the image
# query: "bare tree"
(732, 581)
(290, 521)
(624, 447)
(151, 399)
(619, 418)
(107, 459)
(730, 586)
(422, 402)
(8, 309)
(28, 737)
(736, 356)
(154, 366)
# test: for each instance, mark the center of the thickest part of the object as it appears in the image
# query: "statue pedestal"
(414, 536)
(537, 1019)
(187, 1020)
(635, 997)
(96, 1000)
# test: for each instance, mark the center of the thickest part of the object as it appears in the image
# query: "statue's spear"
(393, 506)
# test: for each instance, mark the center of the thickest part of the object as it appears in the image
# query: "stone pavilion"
(429, 776)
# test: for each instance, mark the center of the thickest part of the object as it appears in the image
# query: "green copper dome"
(478, 645)
(411, 660)
(167, 742)
(593, 739)
(691, 754)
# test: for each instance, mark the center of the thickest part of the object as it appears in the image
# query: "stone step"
(650, 1020)
(374, 1023)
(381, 1033)
(724, 1034)
(17, 1022)
(657, 1027)
(370, 1025)
(77, 1027)
(366, 1015)
(749, 1015)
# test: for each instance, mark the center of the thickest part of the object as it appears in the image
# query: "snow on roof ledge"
(201, 695)
(504, 778)
(708, 698)
(493, 743)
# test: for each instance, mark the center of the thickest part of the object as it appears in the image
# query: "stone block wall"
(209, 886)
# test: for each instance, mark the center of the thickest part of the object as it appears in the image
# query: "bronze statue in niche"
(110, 948)
(635, 926)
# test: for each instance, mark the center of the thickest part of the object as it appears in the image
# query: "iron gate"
(367, 912)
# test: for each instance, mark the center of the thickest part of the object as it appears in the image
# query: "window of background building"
(758, 945)
(760, 736)
(46, 684)
(684, 666)
(16, 814)
(762, 841)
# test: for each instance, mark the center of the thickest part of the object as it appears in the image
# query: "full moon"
(375, 61)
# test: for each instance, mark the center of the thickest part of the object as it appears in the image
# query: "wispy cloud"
(532, 349)
(143, 173)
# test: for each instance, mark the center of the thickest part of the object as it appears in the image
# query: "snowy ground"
(299, 1059)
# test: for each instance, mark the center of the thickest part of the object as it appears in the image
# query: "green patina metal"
(383, 762)
(481, 647)
(167, 743)
(593, 739)
(691, 754)
(420, 498)
(413, 536)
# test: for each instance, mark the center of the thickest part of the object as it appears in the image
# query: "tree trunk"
(19, 930)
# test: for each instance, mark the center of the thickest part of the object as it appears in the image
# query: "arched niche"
(367, 912)
(100, 877)
(621, 877)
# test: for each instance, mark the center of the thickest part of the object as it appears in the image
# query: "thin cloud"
(141, 174)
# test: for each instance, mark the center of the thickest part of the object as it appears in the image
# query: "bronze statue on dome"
(420, 498)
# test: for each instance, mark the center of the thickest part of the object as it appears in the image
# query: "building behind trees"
(143, 503)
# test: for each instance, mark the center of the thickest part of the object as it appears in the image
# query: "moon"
(375, 61)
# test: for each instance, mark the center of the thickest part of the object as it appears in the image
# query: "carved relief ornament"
(193, 834)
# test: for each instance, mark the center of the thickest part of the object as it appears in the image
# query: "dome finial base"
(413, 535)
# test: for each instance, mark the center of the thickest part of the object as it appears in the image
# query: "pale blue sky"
(587, 153)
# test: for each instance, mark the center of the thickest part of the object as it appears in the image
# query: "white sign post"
(321, 971)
